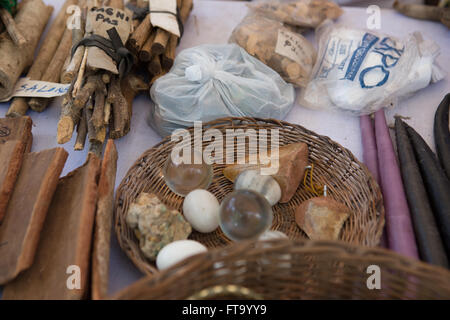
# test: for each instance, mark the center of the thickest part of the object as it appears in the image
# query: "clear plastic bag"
(361, 71)
(214, 81)
(302, 13)
(287, 52)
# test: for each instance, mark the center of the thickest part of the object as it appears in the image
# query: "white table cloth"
(212, 22)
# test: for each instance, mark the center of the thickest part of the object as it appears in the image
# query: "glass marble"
(244, 215)
(183, 178)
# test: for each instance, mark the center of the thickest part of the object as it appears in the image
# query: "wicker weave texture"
(347, 180)
(300, 269)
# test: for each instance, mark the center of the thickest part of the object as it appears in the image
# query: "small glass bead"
(183, 178)
(244, 215)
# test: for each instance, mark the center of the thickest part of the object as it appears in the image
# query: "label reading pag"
(290, 45)
(99, 21)
(165, 21)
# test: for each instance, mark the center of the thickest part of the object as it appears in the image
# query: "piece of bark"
(30, 21)
(140, 35)
(27, 209)
(16, 129)
(53, 72)
(121, 114)
(322, 218)
(72, 63)
(131, 85)
(154, 66)
(160, 42)
(145, 53)
(11, 157)
(81, 132)
(11, 28)
(65, 241)
(103, 223)
(293, 159)
(169, 55)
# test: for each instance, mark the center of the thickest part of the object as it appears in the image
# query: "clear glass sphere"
(244, 215)
(183, 178)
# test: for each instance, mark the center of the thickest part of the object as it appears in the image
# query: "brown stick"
(72, 63)
(145, 53)
(154, 66)
(121, 115)
(103, 223)
(30, 21)
(160, 43)
(140, 35)
(169, 55)
(53, 71)
(131, 85)
(72, 108)
(99, 109)
(11, 27)
(81, 132)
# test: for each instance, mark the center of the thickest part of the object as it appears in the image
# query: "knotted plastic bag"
(361, 71)
(208, 82)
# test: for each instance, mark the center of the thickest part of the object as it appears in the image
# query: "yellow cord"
(317, 189)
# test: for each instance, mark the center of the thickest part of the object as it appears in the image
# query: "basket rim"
(335, 248)
(144, 266)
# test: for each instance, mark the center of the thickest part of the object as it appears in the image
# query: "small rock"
(322, 218)
(155, 225)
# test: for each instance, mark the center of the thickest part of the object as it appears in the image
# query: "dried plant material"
(65, 240)
(287, 52)
(11, 156)
(31, 21)
(27, 209)
(322, 218)
(293, 159)
(155, 225)
(11, 28)
(12, 129)
(52, 74)
(304, 13)
(103, 223)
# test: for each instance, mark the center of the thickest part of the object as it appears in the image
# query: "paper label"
(99, 21)
(165, 21)
(290, 45)
(38, 89)
(365, 59)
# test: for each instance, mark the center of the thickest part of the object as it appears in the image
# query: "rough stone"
(155, 225)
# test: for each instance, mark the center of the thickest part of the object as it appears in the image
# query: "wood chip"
(65, 241)
(103, 223)
(27, 209)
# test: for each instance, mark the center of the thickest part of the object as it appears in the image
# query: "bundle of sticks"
(49, 62)
(16, 54)
(155, 47)
(98, 102)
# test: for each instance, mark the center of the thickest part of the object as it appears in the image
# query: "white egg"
(263, 184)
(201, 210)
(272, 235)
(177, 251)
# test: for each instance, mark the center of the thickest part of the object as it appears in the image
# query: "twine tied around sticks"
(113, 47)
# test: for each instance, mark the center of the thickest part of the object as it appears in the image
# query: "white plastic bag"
(362, 71)
(208, 82)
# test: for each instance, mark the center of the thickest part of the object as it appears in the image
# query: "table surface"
(212, 22)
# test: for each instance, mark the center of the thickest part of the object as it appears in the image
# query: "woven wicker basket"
(347, 181)
(284, 269)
